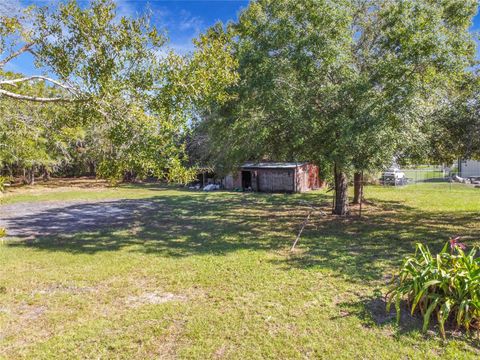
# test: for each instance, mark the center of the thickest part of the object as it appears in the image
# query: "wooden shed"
(274, 177)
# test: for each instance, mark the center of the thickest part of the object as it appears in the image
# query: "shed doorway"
(246, 179)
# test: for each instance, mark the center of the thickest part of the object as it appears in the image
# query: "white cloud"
(181, 27)
(125, 9)
(178, 48)
(189, 22)
(160, 16)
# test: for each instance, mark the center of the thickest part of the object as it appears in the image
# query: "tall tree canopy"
(345, 83)
(456, 133)
(90, 52)
(115, 78)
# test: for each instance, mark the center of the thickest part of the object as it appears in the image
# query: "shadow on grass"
(187, 223)
(171, 225)
(372, 311)
(195, 223)
(362, 249)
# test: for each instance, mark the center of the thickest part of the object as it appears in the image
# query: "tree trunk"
(46, 174)
(341, 193)
(357, 188)
(31, 176)
(92, 170)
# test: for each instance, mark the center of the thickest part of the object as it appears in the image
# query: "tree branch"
(39, 77)
(33, 98)
(23, 49)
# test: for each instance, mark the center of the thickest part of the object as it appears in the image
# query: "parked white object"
(469, 168)
(459, 179)
(393, 176)
(211, 187)
(395, 173)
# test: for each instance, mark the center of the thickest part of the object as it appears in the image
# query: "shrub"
(3, 182)
(446, 285)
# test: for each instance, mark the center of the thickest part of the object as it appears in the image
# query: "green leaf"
(428, 313)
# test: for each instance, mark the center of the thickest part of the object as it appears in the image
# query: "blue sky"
(183, 19)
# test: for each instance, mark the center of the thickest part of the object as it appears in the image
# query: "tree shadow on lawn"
(365, 248)
(194, 223)
(371, 310)
(173, 225)
(191, 223)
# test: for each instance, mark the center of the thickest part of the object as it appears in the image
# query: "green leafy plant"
(3, 182)
(445, 285)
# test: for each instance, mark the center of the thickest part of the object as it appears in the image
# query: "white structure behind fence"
(469, 168)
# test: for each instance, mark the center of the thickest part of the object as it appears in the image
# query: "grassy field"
(424, 175)
(209, 275)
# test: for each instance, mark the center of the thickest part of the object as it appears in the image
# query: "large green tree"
(456, 132)
(132, 97)
(90, 53)
(34, 137)
(344, 83)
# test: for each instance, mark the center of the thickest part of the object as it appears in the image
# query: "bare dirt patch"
(64, 288)
(153, 298)
(21, 319)
(31, 312)
(30, 220)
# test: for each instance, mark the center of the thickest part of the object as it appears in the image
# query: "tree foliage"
(347, 84)
(122, 100)
(456, 132)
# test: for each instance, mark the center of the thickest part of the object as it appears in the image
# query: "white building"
(469, 168)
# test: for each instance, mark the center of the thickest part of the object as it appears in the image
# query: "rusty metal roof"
(272, 165)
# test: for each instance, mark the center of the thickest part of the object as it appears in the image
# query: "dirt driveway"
(31, 219)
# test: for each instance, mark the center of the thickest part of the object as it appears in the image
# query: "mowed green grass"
(209, 275)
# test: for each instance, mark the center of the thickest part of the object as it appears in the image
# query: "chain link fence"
(427, 174)
(421, 174)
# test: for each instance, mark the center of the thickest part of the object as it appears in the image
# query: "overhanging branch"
(33, 98)
(38, 77)
(25, 48)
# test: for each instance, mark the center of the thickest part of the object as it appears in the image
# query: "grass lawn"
(424, 175)
(209, 275)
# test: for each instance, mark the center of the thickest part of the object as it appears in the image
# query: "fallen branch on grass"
(310, 212)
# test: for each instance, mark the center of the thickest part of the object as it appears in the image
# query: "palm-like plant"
(447, 284)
